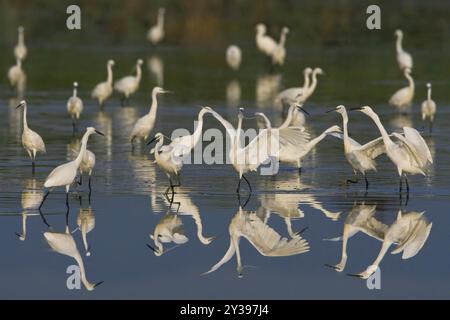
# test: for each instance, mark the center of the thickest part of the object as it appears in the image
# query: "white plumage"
(129, 84)
(103, 90)
(86, 223)
(75, 105)
(20, 50)
(402, 99)
(428, 108)
(17, 76)
(291, 95)
(404, 59)
(279, 53)
(156, 33)
(264, 43)
(233, 57)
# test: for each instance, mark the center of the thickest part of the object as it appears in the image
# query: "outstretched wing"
(374, 148)
(414, 137)
(354, 143)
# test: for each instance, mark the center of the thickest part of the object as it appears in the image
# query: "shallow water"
(128, 200)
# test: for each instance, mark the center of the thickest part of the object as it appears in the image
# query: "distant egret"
(291, 96)
(20, 50)
(233, 57)
(156, 33)
(360, 157)
(402, 99)
(64, 175)
(279, 53)
(17, 76)
(75, 107)
(129, 84)
(103, 90)
(265, 43)
(145, 124)
(409, 152)
(429, 107)
(302, 98)
(404, 59)
(31, 141)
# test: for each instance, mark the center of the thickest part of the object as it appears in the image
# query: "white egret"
(129, 84)
(31, 141)
(31, 199)
(75, 107)
(156, 33)
(409, 152)
(169, 229)
(233, 57)
(20, 50)
(429, 107)
(269, 143)
(86, 223)
(64, 175)
(103, 90)
(155, 66)
(360, 157)
(87, 165)
(404, 59)
(17, 76)
(402, 99)
(145, 124)
(302, 98)
(64, 243)
(264, 43)
(266, 240)
(290, 96)
(279, 53)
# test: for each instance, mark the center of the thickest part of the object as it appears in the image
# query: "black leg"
(80, 181)
(90, 188)
(407, 185)
(299, 171)
(33, 167)
(248, 183)
(67, 200)
(43, 199)
(400, 186)
(238, 186)
(367, 182)
(67, 216)
(352, 181)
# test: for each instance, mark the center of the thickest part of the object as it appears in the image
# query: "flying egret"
(86, 223)
(103, 90)
(429, 107)
(360, 157)
(404, 59)
(279, 53)
(64, 243)
(402, 99)
(75, 107)
(156, 33)
(269, 143)
(145, 124)
(265, 43)
(129, 84)
(64, 175)
(409, 152)
(233, 57)
(290, 96)
(17, 76)
(266, 240)
(31, 141)
(20, 50)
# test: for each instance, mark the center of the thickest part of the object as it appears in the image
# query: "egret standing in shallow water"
(402, 99)
(145, 124)
(360, 157)
(64, 175)
(265, 44)
(103, 90)
(129, 84)
(404, 59)
(409, 152)
(87, 165)
(17, 76)
(75, 107)
(31, 141)
(233, 57)
(156, 33)
(279, 53)
(20, 50)
(429, 107)
(290, 96)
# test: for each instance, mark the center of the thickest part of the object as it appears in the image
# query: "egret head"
(158, 90)
(20, 29)
(318, 71)
(21, 104)
(398, 33)
(428, 85)
(365, 109)
(241, 113)
(111, 62)
(140, 62)
(339, 109)
(92, 130)
(206, 110)
(307, 71)
(161, 10)
(261, 28)
(157, 137)
(285, 30)
(75, 84)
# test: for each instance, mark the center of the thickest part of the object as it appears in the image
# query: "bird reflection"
(233, 93)
(31, 199)
(398, 121)
(265, 239)
(15, 118)
(155, 66)
(409, 232)
(86, 223)
(267, 87)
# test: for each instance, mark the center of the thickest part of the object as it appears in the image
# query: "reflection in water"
(31, 199)
(266, 240)
(267, 87)
(15, 118)
(398, 121)
(86, 223)
(169, 229)
(103, 123)
(155, 66)
(233, 93)
(409, 232)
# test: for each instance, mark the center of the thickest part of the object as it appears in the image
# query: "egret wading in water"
(265, 43)
(31, 141)
(279, 53)
(233, 57)
(17, 77)
(291, 95)
(145, 124)
(156, 33)
(103, 90)
(409, 152)
(429, 108)
(87, 166)
(402, 99)
(20, 50)
(268, 144)
(404, 59)
(360, 157)
(64, 175)
(75, 107)
(129, 84)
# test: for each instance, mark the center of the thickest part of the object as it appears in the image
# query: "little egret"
(86, 223)
(291, 95)
(103, 90)
(169, 229)
(17, 76)
(233, 57)
(129, 84)
(402, 99)
(64, 175)
(145, 124)
(75, 107)
(409, 152)
(429, 107)
(360, 157)
(87, 165)
(20, 50)
(404, 59)
(265, 44)
(156, 33)
(31, 141)
(302, 98)
(279, 53)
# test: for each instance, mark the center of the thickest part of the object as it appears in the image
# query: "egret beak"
(151, 141)
(98, 283)
(167, 91)
(100, 133)
(331, 110)
(354, 275)
(20, 105)
(302, 109)
(355, 109)
(151, 248)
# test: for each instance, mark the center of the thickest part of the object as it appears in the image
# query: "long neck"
(198, 130)
(238, 133)
(80, 263)
(410, 80)
(138, 72)
(74, 91)
(84, 227)
(21, 39)
(157, 146)
(25, 123)
(288, 120)
(199, 224)
(380, 126)
(398, 44)
(312, 143)
(305, 81)
(429, 94)
(109, 80)
(345, 128)
(313, 84)
(84, 141)
(160, 22)
(154, 105)
(282, 39)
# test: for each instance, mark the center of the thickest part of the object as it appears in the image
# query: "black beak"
(353, 109)
(20, 105)
(331, 110)
(98, 132)
(151, 248)
(151, 141)
(302, 109)
(98, 283)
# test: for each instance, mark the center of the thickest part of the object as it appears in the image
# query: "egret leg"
(400, 186)
(80, 181)
(33, 167)
(407, 185)
(238, 186)
(90, 188)
(67, 216)
(367, 182)
(67, 200)
(352, 181)
(248, 183)
(178, 181)
(43, 199)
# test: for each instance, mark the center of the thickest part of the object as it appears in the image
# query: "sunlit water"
(128, 203)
